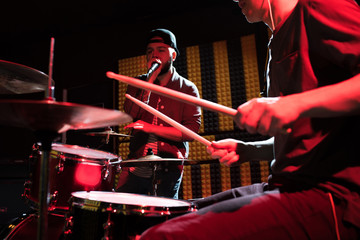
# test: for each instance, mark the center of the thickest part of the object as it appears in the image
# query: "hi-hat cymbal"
(107, 133)
(52, 116)
(20, 79)
(153, 159)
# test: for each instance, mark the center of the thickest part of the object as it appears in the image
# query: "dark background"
(90, 38)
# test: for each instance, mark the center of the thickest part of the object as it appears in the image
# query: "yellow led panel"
(186, 183)
(194, 72)
(124, 150)
(245, 174)
(225, 177)
(223, 87)
(250, 66)
(131, 67)
(264, 171)
(205, 180)
(197, 150)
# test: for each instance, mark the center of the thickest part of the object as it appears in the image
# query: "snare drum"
(114, 215)
(72, 168)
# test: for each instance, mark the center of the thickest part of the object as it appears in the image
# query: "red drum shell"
(73, 168)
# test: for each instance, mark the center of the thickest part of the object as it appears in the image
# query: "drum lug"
(60, 167)
(106, 171)
(69, 224)
(27, 189)
(53, 200)
(118, 168)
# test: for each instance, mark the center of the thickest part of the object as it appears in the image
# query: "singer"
(152, 135)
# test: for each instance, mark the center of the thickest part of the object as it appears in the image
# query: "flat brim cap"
(167, 37)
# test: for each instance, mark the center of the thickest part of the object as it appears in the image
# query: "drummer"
(152, 135)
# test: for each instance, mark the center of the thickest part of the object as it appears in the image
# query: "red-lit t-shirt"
(317, 45)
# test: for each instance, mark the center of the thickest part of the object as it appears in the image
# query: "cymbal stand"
(155, 181)
(46, 139)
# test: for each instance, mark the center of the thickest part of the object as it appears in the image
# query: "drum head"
(129, 203)
(129, 199)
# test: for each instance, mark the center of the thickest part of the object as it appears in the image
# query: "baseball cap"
(167, 37)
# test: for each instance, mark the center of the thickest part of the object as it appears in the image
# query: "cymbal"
(152, 159)
(107, 133)
(49, 115)
(20, 79)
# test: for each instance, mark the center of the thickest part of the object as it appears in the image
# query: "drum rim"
(87, 160)
(108, 157)
(126, 208)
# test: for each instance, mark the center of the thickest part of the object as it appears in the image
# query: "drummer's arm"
(170, 133)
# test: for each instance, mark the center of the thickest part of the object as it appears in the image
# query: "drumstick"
(169, 121)
(179, 96)
(173, 94)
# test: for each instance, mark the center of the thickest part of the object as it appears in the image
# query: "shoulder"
(330, 8)
(182, 84)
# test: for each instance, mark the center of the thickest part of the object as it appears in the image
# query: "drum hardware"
(53, 201)
(106, 171)
(60, 167)
(69, 224)
(27, 189)
(48, 118)
(108, 225)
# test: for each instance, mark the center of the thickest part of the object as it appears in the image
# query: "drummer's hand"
(225, 150)
(140, 125)
(267, 116)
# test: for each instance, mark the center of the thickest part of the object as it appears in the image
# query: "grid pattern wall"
(225, 72)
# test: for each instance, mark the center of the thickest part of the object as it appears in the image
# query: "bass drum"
(72, 168)
(25, 228)
(121, 216)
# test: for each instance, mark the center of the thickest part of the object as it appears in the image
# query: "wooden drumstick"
(170, 121)
(179, 96)
(173, 94)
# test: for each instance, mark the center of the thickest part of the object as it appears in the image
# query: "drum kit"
(71, 187)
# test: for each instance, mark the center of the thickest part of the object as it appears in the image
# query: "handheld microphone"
(154, 66)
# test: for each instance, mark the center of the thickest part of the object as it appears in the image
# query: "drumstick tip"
(110, 74)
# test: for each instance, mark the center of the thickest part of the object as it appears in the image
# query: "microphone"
(154, 66)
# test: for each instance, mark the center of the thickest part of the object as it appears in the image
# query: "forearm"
(170, 133)
(335, 100)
